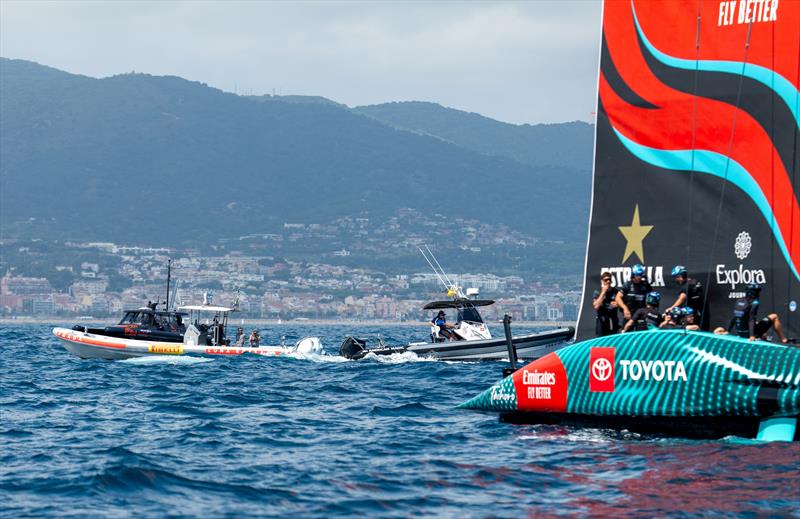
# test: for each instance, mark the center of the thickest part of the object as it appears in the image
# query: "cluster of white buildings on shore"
(307, 298)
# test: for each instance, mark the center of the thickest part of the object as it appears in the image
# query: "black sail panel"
(696, 154)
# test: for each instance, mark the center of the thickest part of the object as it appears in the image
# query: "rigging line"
(772, 171)
(440, 267)
(432, 267)
(694, 134)
(727, 169)
(795, 170)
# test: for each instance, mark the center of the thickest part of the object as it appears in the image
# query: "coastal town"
(264, 287)
(358, 267)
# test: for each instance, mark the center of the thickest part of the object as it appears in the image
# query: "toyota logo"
(601, 369)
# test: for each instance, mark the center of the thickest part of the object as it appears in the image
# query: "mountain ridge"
(102, 153)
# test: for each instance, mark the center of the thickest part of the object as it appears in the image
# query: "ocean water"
(325, 437)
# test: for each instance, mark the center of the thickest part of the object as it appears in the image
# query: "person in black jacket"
(643, 318)
(634, 291)
(673, 319)
(606, 302)
(745, 322)
(691, 294)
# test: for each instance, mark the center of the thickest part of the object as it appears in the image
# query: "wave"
(397, 358)
(412, 409)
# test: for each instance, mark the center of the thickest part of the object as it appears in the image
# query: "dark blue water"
(251, 436)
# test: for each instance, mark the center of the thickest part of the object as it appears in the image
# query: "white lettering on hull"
(657, 370)
(537, 378)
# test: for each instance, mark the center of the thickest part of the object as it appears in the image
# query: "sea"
(326, 437)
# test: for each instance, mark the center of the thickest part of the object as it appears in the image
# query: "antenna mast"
(169, 272)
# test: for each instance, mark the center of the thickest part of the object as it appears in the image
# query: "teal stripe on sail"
(767, 77)
(718, 165)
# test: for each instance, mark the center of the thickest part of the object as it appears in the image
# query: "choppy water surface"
(327, 437)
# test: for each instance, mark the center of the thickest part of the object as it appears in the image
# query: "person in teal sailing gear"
(644, 318)
(691, 295)
(745, 322)
(634, 292)
(606, 302)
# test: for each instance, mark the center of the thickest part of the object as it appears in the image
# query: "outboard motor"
(192, 336)
(353, 348)
(309, 346)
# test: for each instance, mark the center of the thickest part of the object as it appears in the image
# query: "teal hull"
(673, 382)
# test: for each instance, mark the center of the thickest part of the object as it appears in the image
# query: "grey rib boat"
(468, 340)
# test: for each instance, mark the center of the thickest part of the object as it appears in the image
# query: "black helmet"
(441, 312)
(753, 290)
(653, 298)
(676, 313)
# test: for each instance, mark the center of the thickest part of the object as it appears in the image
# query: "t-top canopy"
(205, 308)
(457, 303)
(147, 310)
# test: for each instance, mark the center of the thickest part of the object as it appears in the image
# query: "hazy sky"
(522, 62)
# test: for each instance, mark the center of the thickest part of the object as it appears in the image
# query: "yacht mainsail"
(696, 152)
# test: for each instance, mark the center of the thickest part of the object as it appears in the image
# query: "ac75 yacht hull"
(691, 384)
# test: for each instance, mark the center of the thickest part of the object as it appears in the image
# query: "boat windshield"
(469, 314)
(136, 317)
(167, 321)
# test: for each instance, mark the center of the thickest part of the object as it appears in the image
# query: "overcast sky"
(521, 62)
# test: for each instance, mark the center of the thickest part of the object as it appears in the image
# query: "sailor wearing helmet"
(745, 322)
(634, 291)
(647, 317)
(691, 295)
(673, 319)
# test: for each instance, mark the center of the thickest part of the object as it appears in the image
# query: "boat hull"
(674, 382)
(528, 347)
(92, 346)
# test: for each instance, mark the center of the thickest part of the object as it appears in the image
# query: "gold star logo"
(635, 234)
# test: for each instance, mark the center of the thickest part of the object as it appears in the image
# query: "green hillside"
(163, 160)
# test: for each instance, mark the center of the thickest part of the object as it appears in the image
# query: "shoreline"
(71, 321)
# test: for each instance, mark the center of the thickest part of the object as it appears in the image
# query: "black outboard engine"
(353, 348)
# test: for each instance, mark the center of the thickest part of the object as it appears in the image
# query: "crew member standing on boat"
(605, 302)
(634, 292)
(691, 295)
